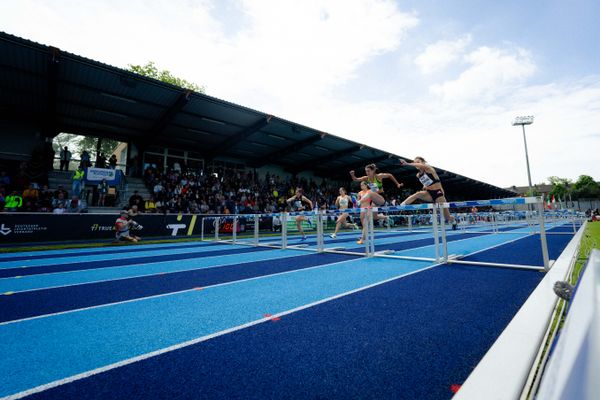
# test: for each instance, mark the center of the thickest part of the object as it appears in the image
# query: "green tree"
(561, 187)
(78, 143)
(586, 188)
(90, 144)
(151, 71)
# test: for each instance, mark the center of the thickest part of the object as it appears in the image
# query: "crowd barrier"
(273, 229)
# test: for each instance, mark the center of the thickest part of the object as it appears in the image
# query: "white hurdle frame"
(533, 216)
(538, 201)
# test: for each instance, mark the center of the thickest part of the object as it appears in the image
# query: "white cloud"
(289, 58)
(492, 72)
(441, 54)
(477, 140)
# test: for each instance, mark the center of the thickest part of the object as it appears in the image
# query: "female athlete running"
(296, 202)
(375, 184)
(432, 192)
(342, 202)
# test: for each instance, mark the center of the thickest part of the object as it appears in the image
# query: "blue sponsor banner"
(494, 202)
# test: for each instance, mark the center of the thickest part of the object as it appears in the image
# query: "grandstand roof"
(64, 92)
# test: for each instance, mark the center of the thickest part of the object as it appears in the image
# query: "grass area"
(589, 241)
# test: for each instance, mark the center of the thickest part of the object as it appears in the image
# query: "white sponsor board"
(97, 174)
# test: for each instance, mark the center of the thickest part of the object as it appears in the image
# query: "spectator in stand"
(45, 200)
(158, 189)
(102, 192)
(150, 205)
(86, 160)
(60, 209)
(60, 190)
(100, 161)
(31, 194)
(29, 206)
(75, 206)
(133, 211)
(224, 188)
(78, 181)
(161, 207)
(112, 162)
(65, 158)
(13, 202)
(136, 200)
(60, 199)
(2, 199)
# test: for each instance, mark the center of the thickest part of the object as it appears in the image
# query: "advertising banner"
(38, 227)
(95, 175)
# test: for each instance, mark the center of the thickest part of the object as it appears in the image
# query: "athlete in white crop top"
(432, 191)
(342, 202)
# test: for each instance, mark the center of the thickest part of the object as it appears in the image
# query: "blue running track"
(240, 322)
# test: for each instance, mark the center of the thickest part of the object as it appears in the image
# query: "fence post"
(436, 239)
(235, 225)
(540, 207)
(443, 230)
(217, 227)
(256, 228)
(202, 229)
(320, 241)
(284, 230)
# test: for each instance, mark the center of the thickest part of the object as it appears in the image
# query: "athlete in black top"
(432, 192)
(296, 203)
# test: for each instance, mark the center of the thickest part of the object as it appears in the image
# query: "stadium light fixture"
(525, 120)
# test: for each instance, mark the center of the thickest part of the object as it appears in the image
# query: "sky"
(438, 79)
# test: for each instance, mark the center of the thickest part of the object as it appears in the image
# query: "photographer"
(122, 226)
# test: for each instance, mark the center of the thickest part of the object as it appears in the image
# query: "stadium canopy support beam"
(279, 154)
(50, 126)
(228, 143)
(166, 118)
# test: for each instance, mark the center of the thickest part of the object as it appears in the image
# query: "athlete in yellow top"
(374, 181)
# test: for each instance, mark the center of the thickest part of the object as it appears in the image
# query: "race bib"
(426, 180)
(373, 187)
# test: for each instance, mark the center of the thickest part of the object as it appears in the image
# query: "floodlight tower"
(526, 120)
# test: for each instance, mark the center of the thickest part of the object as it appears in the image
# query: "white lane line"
(177, 292)
(292, 254)
(99, 250)
(142, 357)
(132, 360)
(130, 265)
(106, 257)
